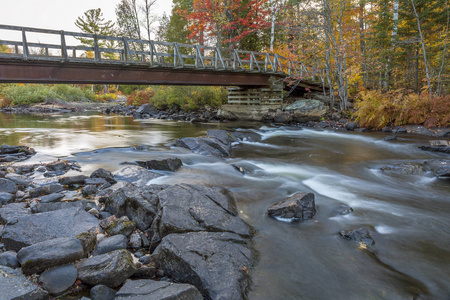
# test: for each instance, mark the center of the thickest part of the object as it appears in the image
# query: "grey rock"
(298, 207)
(150, 289)
(351, 126)
(32, 229)
(105, 174)
(47, 207)
(135, 241)
(416, 129)
(307, 110)
(14, 285)
(7, 186)
(443, 149)
(110, 269)
(187, 208)
(390, 138)
(52, 198)
(169, 164)
(204, 146)
(360, 235)
(439, 167)
(46, 190)
(136, 175)
(102, 292)
(89, 190)
(115, 242)
(404, 169)
(51, 253)
(9, 213)
(202, 259)
(96, 181)
(21, 181)
(2, 174)
(9, 259)
(58, 280)
(73, 180)
(6, 198)
(344, 209)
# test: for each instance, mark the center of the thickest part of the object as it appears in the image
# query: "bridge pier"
(269, 95)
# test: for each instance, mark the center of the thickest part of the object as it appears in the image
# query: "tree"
(92, 22)
(149, 18)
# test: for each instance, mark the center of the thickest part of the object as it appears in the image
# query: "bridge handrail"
(150, 53)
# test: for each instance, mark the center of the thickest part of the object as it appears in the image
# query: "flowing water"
(408, 216)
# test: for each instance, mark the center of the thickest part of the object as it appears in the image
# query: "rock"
(51, 253)
(115, 242)
(20, 180)
(45, 190)
(188, 208)
(438, 148)
(139, 204)
(351, 126)
(73, 180)
(202, 259)
(416, 129)
(2, 174)
(344, 209)
(9, 213)
(58, 280)
(298, 207)
(439, 143)
(14, 285)
(121, 226)
(9, 259)
(88, 241)
(102, 173)
(386, 129)
(307, 110)
(390, 138)
(136, 175)
(150, 289)
(204, 146)
(110, 269)
(169, 164)
(7, 186)
(52, 198)
(6, 198)
(440, 168)
(89, 190)
(404, 169)
(135, 241)
(223, 136)
(47, 207)
(360, 235)
(399, 130)
(32, 229)
(283, 117)
(146, 109)
(102, 292)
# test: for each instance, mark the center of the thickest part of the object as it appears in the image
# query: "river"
(408, 216)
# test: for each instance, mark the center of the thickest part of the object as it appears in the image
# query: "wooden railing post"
(97, 54)
(25, 45)
(63, 46)
(126, 49)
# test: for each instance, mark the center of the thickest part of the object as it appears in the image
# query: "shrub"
(376, 109)
(188, 97)
(140, 97)
(106, 97)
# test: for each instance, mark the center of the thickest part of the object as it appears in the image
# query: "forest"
(386, 60)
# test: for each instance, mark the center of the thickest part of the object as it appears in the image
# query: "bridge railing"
(99, 49)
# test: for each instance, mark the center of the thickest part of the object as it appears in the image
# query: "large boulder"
(298, 207)
(14, 285)
(214, 262)
(306, 110)
(45, 255)
(138, 204)
(136, 175)
(58, 280)
(33, 229)
(161, 290)
(204, 146)
(187, 208)
(169, 164)
(110, 269)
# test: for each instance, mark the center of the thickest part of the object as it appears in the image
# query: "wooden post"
(63, 46)
(25, 45)
(97, 54)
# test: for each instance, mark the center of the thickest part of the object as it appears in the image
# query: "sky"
(58, 14)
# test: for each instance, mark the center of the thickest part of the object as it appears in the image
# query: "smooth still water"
(408, 217)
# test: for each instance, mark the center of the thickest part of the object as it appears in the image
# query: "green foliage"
(106, 97)
(376, 109)
(130, 89)
(34, 93)
(4, 49)
(92, 22)
(179, 97)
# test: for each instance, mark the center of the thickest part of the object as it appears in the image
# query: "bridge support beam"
(269, 95)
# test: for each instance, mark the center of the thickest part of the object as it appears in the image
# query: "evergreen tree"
(93, 22)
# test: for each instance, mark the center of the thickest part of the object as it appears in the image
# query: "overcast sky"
(58, 14)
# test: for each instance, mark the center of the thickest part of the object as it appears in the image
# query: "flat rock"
(73, 180)
(202, 259)
(8, 186)
(9, 259)
(20, 180)
(443, 149)
(161, 290)
(55, 197)
(110, 269)
(58, 280)
(46, 207)
(51, 253)
(46, 190)
(360, 235)
(32, 229)
(169, 164)
(9, 213)
(417, 129)
(187, 208)
(136, 175)
(404, 169)
(14, 285)
(298, 207)
(204, 146)
(115, 242)
(439, 167)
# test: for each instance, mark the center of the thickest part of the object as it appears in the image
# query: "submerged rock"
(14, 285)
(404, 169)
(298, 207)
(150, 289)
(202, 259)
(437, 146)
(360, 235)
(439, 167)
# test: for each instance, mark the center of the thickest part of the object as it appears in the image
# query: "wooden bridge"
(256, 76)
